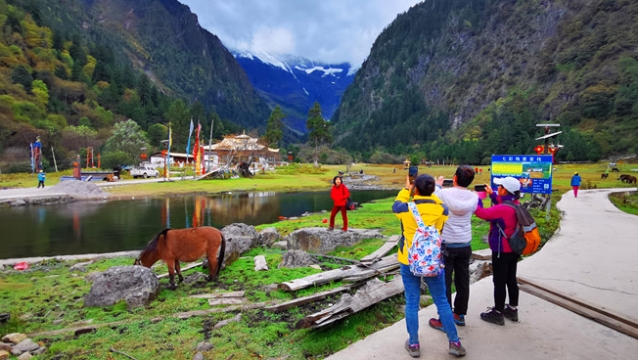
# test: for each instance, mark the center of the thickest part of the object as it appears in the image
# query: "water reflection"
(87, 227)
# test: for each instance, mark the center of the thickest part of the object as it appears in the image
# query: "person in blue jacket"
(576, 180)
(41, 178)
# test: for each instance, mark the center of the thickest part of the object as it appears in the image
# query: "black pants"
(504, 275)
(457, 265)
(40, 183)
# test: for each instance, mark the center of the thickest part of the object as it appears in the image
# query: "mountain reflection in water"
(99, 227)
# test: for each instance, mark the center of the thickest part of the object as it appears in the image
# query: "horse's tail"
(220, 258)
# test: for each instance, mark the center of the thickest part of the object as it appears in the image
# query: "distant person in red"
(339, 195)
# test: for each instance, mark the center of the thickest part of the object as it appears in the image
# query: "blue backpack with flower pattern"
(424, 255)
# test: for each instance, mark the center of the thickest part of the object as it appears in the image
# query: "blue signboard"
(533, 171)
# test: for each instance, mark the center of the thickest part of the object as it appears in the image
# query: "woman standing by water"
(339, 195)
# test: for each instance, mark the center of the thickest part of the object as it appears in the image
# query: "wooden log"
(371, 293)
(603, 316)
(336, 274)
(233, 294)
(384, 249)
(307, 299)
(260, 263)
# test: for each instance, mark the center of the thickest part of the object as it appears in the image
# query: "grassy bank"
(306, 177)
(48, 297)
(625, 201)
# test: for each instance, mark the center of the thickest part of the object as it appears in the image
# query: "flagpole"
(210, 145)
(168, 152)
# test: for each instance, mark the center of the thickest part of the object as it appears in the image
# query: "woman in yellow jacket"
(433, 213)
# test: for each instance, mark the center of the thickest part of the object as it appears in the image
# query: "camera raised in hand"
(479, 188)
(413, 172)
(448, 183)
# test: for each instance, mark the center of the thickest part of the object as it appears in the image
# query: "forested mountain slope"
(462, 79)
(71, 70)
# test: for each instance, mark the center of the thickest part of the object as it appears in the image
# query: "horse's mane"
(152, 245)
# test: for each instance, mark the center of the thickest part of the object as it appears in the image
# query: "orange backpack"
(526, 239)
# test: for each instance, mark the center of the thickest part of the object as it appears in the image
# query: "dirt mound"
(79, 189)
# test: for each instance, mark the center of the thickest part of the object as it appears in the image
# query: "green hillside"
(463, 79)
(69, 74)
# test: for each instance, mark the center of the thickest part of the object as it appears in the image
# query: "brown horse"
(174, 246)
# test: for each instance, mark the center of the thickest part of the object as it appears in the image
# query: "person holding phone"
(433, 213)
(457, 238)
(339, 194)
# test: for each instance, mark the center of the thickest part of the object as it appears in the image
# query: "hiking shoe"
(436, 324)
(459, 319)
(493, 316)
(413, 350)
(511, 314)
(456, 349)
(330, 228)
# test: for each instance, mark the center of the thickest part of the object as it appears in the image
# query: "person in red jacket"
(339, 195)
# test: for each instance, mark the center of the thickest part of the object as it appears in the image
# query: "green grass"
(48, 293)
(627, 202)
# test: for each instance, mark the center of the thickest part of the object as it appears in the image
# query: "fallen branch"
(122, 353)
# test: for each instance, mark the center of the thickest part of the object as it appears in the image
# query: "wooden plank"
(188, 267)
(371, 293)
(225, 301)
(307, 299)
(189, 314)
(233, 294)
(384, 249)
(336, 274)
(619, 324)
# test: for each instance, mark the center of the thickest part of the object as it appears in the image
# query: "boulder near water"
(136, 285)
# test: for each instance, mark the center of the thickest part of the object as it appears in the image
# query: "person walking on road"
(503, 224)
(457, 238)
(576, 180)
(41, 178)
(433, 213)
(339, 194)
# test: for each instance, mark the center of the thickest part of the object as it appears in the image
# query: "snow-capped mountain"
(295, 83)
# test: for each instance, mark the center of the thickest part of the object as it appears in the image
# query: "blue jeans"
(436, 285)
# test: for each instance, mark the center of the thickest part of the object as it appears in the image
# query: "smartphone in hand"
(448, 183)
(413, 172)
(479, 188)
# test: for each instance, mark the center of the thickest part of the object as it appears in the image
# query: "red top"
(339, 194)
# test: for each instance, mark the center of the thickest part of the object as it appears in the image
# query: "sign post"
(533, 171)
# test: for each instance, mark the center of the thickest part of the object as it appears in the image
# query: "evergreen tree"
(22, 75)
(179, 117)
(318, 127)
(274, 128)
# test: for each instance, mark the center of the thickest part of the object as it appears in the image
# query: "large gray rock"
(239, 239)
(296, 259)
(136, 285)
(269, 236)
(320, 240)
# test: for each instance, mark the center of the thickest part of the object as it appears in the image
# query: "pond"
(108, 226)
